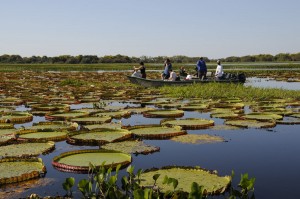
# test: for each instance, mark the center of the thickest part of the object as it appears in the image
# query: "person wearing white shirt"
(219, 71)
(173, 76)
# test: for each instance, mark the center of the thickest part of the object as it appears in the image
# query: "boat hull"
(159, 83)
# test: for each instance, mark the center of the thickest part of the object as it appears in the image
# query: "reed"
(217, 91)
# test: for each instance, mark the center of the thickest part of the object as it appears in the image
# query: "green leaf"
(82, 186)
(166, 180)
(66, 186)
(130, 169)
(175, 183)
(70, 181)
(155, 177)
(138, 194)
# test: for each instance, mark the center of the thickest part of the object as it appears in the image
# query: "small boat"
(240, 78)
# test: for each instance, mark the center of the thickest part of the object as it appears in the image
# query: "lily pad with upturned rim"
(251, 123)
(16, 117)
(6, 126)
(42, 135)
(261, 116)
(211, 182)
(78, 161)
(156, 132)
(99, 136)
(189, 123)
(54, 125)
(92, 120)
(24, 169)
(163, 113)
(114, 114)
(197, 139)
(111, 125)
(134, 146)
(26, 149)
(66, 115)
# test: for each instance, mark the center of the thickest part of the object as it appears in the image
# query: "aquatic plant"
(217, 91)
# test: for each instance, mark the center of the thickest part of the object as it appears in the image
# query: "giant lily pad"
(54, 125)
(197, 139)
(228, 115)
(156, 132)
(23, 169)
(78, 161)
(138, 110)
(7, 131)
(6, 126)
(297, 115)
(261, 116)
(289, 121)
(16, 117)
(134, 146)
(92, 120)
(99, 136)
(114, 114)
(163, 113)
(211, 182)
(189, 123)
(4, 139)
(251, 123)
(50, 107)
(66, 115)
(111, 125)
(194, 107)
(42, 135)
(26, 149)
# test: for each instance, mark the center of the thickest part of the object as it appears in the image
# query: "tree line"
(93, 59)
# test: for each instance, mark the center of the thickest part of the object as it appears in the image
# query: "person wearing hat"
(219, 70)
(201, 68)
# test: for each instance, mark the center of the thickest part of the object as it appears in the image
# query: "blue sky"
(210, 28)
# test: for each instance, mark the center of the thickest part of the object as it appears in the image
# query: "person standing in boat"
(168, 67)
(201, 68)
(142, 69)
(219, 70)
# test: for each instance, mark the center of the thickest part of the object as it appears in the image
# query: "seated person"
(189, 77)
(173, 76)
(219, 70)
(182, 71)
(136, 73)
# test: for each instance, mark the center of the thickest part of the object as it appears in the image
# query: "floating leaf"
(189, 123)
(23, 169)
(79, 160)
(251, 123)
(26, 149)
(99, 136)
(212, 183)
(131, 147)
(197, 139)
(163, 113)
(156, 132)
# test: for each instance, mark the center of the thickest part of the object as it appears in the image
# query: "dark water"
(269, 155)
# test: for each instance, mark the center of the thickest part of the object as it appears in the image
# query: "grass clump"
(217, 91)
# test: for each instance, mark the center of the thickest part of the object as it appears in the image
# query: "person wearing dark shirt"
(142, 69)
(201, 67)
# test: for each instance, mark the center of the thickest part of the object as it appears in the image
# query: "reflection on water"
(271, 83)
